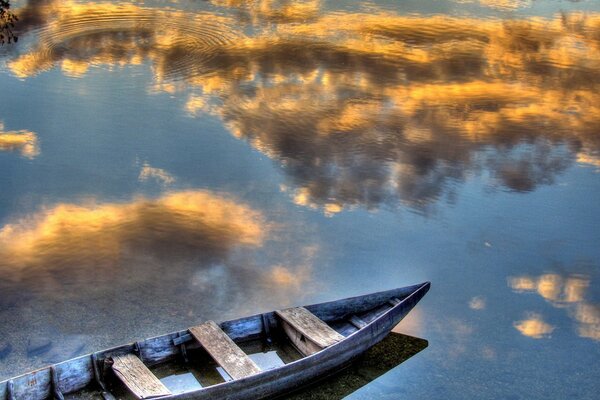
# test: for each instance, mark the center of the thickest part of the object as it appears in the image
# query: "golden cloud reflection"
(562, 292)
(277, 11)
(534, 327)
(589, 159)
(170, 226)
(22, 141)
(190, 242)
(77, 36)
(158, 174)
(360, 110)
(122, 270)
(507, 5)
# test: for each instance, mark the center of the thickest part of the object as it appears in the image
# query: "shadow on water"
(395, 349)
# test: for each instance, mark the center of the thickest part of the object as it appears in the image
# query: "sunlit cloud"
(589, 159)
(534, 327)
(183, 255)
(148, 172)
(564, 292)
(477, 303)
(74, 38)
(415, 109)
(25, 142)
(273, 10)
(553, 287)
(588, 317)
(173, 225)
(507, 5)
(198, 240)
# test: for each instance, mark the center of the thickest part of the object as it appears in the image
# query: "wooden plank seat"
(224, 351)
(308, 333)
(357, 321)
(137, 377)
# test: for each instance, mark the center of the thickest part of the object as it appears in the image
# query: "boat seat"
(137, 377)
(308, 333)
(224, 351)
(357, 321)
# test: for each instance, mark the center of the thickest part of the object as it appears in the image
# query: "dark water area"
(163, 163)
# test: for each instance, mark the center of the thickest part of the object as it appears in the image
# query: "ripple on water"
(177, 44)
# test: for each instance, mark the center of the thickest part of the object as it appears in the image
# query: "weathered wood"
(182, 339)
(10, 390)
(334, 310)
(224, 351)
(357, 321)
(302, 344)
(183, 351)
(99, 377)
(55, 389)
(373, 308)
(394, 301)
(266, 328)
(309, 369)
(137, 377)
(34, 385)
(98, 374)
(310, 326)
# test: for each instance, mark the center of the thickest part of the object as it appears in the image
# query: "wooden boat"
(327, 336)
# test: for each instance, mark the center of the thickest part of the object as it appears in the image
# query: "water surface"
(167, 162)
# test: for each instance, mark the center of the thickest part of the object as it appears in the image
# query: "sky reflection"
(201, 248)
(415, 108)
(209, 159)
(567, 292)
(22, 141)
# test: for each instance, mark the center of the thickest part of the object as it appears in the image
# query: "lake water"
(167, 162)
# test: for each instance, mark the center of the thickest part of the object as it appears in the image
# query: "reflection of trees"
(363, 109)
(76, 36)
(7, 23)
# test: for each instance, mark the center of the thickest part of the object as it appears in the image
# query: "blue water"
(164, 163)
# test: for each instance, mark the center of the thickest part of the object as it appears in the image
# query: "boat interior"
(210, 353)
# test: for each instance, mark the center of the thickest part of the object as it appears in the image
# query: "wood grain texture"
(310, 326)
(224, 351)
(137, 377)
(305, 346)
(371, 308)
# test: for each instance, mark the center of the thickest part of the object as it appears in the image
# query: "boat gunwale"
(129, 347)
(331, 348)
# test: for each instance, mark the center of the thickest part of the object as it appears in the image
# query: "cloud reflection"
(158, 174)
(567, 292)
(360, 110)
(22, 141)
(534, 327)
(124, 270)
(170, 226)
(210, 242)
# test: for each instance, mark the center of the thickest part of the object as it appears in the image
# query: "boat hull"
(76, 374)
(309, 369)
